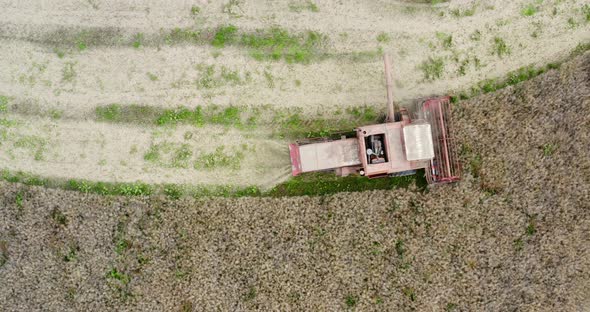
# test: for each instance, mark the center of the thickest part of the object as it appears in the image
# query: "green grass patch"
(500, 48)
(55, 114)
(229, 116)
(312, 184)
(303, 185)
(181, 115)
(518, 244)
(572, 23)
(364, 114)
(517, 76)
(81, 45)
(549, 149)
(69, 72)
(291, 124)
(206, 80)
(351, 301)
(59, 217)
(170, 155)
(586, 12)
(383, 37)
(210, 78)
(119, 276)
(233, 8)
(60, 53)
(19, 200)
(521, 74)
(529, 10)
(580, 49)
(5, 122)
(3, 253)
(432, 68)
(400, 249)
(106, 188)
(138, 40)
(173, 191)
(316, 184)
(465, 12)
(232, 76)
(270, 79)
(263, 44)
(240, 117)
(224, 35)
(153, 154)
(37, 145)
(300, 6)
(71, 254)
(277, 43)
(137, 114)
(512, 78)
(132, 189)
(288, 123)
(152, 77)
(410, 293)
(102, 188)
(184, 35)
(24, 178)
(182, 156)
(250, 295)
(531, 227)
(220, 158)
(3, 104)
(359, 56)
(110, 112)
(446, 40)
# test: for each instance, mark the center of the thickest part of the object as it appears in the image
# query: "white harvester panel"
(418, 142)
(329, 155)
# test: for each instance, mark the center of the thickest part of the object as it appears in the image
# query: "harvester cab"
(400, 146)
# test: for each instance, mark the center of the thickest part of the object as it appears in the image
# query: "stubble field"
(209, 93)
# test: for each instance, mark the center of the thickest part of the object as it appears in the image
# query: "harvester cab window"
(376, 152)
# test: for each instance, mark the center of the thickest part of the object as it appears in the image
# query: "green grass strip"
(273, 44)
(102, 188)
(314, 184)
(282, 123)
(517, 76)
(318, 184)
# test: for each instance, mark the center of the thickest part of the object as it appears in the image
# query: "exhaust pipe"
(389, 86)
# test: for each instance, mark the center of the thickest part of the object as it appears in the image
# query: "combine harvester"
(398, 147)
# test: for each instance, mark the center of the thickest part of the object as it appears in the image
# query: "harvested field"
(71, 70)
(514, 235)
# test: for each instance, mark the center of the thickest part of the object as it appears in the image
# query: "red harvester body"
(390, 149)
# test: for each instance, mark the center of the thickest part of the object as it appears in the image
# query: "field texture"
(210, 92)
(513, 236)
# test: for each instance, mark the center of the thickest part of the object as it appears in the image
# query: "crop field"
(513, 235)
(208, 93)
(144, 161)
